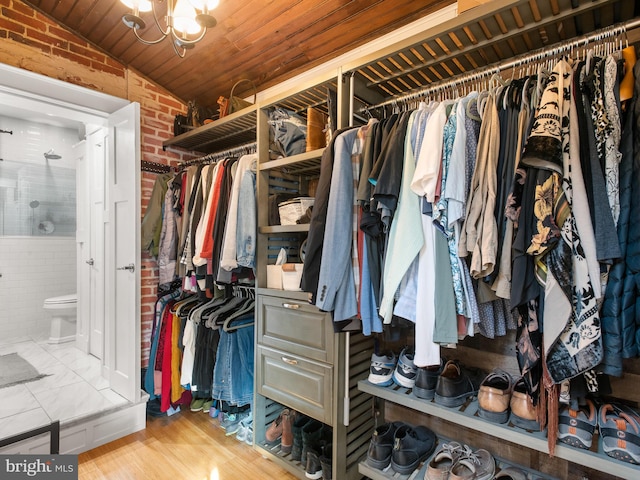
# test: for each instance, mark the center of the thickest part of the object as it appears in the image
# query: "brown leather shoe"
(274, 432)
(287, 433)
(494, 397)
(523, 412)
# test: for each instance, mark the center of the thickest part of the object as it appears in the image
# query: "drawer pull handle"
(292, 306)
(290, 361)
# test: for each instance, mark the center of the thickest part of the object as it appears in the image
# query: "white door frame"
(22, 90)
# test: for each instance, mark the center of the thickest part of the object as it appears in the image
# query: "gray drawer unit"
(295, 327)
(303, 384)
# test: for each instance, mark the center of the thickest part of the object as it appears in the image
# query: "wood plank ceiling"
(263, 40)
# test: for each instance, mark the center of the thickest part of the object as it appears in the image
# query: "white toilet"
(63, 317)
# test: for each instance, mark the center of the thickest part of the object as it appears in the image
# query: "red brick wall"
(32, 41)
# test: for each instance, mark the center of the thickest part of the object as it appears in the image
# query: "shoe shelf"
(266, 411)
(467, 416)
(389, 474)
(272, 450)
(419, 473)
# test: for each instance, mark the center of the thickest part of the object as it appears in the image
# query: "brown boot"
(287, 432)
(316, 123)
(274, 432)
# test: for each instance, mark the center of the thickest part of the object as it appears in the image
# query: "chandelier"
(181, 23)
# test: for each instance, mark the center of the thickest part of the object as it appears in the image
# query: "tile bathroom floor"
(73, 388)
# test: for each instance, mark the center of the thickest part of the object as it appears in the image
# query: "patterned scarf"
(572, 335)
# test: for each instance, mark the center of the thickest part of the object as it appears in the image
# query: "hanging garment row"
(200, 223)
(202, 349)
(496, 210)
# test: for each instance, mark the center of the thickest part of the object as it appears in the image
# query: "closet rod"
(539, 54)
(154, 167)
(245, 149)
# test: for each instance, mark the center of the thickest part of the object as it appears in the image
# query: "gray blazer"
(336, 284)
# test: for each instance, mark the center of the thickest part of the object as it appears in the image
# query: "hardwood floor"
(185, 446)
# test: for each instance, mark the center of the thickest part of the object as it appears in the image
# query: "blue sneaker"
(619, 427)
(405, 372)
(381, 370)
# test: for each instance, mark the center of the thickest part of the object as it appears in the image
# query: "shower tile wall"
(35, 195)
(32, 270)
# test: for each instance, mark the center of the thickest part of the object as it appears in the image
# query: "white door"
(96, 196)
(83, 241)
(122, 262)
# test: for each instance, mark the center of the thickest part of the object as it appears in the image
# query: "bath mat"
(15, 370)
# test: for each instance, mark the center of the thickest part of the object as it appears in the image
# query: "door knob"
(131, 267)
(89, 262)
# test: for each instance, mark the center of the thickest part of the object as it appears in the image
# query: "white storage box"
(291, 276)
(285, 277)
(274, 276)
(292, 210)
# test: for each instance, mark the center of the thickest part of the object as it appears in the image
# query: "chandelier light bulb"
(181, 23)
(205, 5)
(139, 5)
(184, 18)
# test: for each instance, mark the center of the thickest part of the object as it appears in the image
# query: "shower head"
(50, 155)
(34, 203)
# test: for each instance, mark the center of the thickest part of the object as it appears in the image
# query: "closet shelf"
(307, 163)
(418, 473)
(273, 450)
(303, 227)
(467, 416)
(389, 474)
(236, 129)
(304, 97)
(289, 294)
(485, 35)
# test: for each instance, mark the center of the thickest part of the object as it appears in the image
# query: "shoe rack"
(467, 416)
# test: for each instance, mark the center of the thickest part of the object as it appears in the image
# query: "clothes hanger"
(228, 326)
(209, 307)
(229, 304)
(247, 305)
(629, 58)
(190, 300)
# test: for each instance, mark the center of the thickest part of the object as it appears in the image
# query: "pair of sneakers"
(618, 424)
(231, 422)
(244, 432)
(201, 405)
(455, 461)
(387, 369)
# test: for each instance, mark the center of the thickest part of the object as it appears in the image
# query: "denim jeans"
(246, 225)
(233, 371)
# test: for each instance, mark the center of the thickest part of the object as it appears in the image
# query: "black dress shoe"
(381, 445)
(411, 446)
(426, 381)
(456, 384)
